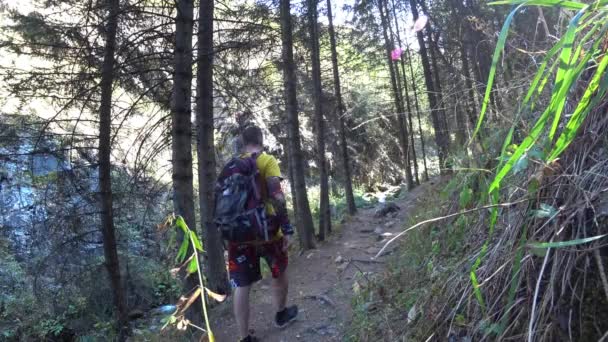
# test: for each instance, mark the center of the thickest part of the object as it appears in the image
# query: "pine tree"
(105, 165)
(216, 269)
(403, 135)
(340, 112)
(181, 112)
(305, 225)
(417, 106)
(313, 36)
(440, 135)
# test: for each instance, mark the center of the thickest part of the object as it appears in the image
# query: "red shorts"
(244, 261)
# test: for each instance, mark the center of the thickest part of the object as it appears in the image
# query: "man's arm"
(277, 198)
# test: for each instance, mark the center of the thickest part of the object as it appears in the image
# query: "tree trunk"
(181, 112)
(414, 159)
(214, 260)
(105, 166)
(466, 34)
(472, 108)
(403, 136)
(414, 87)
(305, 224)
(461, 126)
(348, 185)
(431, 90)
(441, 115)
(292, 184)
(324, 214)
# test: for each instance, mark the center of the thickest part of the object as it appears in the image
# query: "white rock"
(411, 315)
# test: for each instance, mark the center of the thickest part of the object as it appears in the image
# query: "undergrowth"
(416, 270)
(520, 252)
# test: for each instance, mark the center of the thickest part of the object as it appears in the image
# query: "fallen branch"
(379, 254)
(536, 292)
(364, 261)
(604, 338)
(598, 260)
(322, 298)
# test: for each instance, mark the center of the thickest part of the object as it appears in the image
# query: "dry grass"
(559, 296)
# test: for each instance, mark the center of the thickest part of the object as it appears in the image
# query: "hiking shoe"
(250, 338)
(288, 315)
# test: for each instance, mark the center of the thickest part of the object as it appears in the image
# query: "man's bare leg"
(241, 310)
(280, 287)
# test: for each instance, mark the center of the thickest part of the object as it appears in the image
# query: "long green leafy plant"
(580, 50)
(192, 266)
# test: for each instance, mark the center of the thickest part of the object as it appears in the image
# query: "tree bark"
(414, 159)
(105, 167)
(181, 112)
(305, 224)
(459, 10)
(340, 112)
(214, 258)
(417, 106)
(403, 136)
(292, 184)
(324, 214)
(440, 139)
(441, 115)
(472, 112)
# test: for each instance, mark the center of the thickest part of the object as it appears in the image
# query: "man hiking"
(261, 228)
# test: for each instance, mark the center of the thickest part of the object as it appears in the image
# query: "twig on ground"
(369, 281)
(600, 266)
(196, 327)
(322, 298)
(443, 218)
(363, 261)
(604, 338)
(536, 291)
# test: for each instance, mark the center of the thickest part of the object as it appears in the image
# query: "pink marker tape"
(396, 54)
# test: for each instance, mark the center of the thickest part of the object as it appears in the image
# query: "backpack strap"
(252, 159)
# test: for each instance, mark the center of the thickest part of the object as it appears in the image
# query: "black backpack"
(240, 213)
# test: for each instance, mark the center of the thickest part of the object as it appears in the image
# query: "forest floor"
(322, 281)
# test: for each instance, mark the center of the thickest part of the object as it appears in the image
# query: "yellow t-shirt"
(268, 167)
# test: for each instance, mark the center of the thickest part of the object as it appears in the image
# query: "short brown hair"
(252, 135)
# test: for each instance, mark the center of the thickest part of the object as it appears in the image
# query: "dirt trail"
(321, 282)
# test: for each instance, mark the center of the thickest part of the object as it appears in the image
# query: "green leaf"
(565, 243)
(476, 290)
(460, 320)
(192, 266)
(533, 186)
(181, 224)
(550, 3)
(465, 197)
(196, 241)
(582, 109)
(564, 77)
(539, 252)
(521, 164)
(167, 321)
(500, 45)
(492, 329)
(545, 211)
(536, 153)
(554, 109)
(183, 250)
